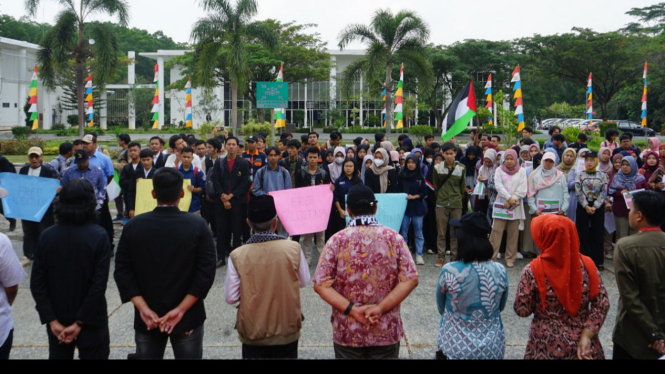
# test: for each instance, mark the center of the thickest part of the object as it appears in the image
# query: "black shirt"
(70, 273)
(163, 256)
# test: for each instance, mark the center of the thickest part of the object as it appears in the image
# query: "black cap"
(360, 196)
(593, 154)
(472, 224)
(80, 156)
(261, 209)
(252, 139)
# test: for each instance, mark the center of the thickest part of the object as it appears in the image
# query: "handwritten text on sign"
(146, 203)
(29, 197)
(391, 209)
(304, 210)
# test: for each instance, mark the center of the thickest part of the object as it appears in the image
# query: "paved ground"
(419, 314)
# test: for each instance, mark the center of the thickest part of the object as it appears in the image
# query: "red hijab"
(559, 263)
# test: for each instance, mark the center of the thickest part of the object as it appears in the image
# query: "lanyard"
(647, 229)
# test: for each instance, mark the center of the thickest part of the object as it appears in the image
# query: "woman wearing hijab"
(335, 169)
(569, 158)
(351, 152)
(651, 164)
(558, 160)
(564, 293)
(591, 193)
(653, 144)
(547, 184)
(605, 161)
(491, 187)
(381, 177)
(537, 160)
(388, 146)
(413, 184)
(361, 152)
(470, 295)
(626, 180)
(534, 149)
(469, 160)
(394, 160)
(429, 224)
(489, 162)
(349, 178)
(525, 155)
(608, 238)
(407, 144)
(366, 164)
(570, 170)
(511, 184)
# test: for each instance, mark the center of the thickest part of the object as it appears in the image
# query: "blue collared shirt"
(93, 174)
(59, 164)
(198, 181)
(103, 162)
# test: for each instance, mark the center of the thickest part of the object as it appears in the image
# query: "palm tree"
(64, 44)
(390, 39)
(222, 36)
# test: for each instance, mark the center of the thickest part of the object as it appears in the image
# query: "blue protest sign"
(29, 197)
(391, 209)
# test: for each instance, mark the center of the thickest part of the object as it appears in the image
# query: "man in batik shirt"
(378, 274)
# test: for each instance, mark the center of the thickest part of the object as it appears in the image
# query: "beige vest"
(269, 312)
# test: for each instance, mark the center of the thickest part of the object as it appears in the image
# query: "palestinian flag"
(460, 114)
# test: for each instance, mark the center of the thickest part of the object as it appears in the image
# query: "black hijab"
(468, 163)
(362, 146)
(536, 160)
(407, 176)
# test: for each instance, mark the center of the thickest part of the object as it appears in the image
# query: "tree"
(391, 39)
(65, 42)
(653, 16)
(221, 38)
(22, 29)
(573, 56)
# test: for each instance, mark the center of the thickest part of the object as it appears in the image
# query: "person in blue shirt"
(84, 170)
(349, 178)
(413, 184)
(99, 159)
(195, 175)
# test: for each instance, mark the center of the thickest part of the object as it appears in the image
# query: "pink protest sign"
(304, 210)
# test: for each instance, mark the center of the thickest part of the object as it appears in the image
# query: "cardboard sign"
(29, 197)
(304, 210)
(549, 206)
(146, 203)
(503, 213)
(580, 167)
(628, 197)
(392, 207)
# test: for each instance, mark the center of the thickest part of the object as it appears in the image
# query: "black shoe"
(12, 225)
(221, 263)
(600, 267)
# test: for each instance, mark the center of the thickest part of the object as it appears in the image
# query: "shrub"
(571, 134)
(58, 126)
(604, 126)
(20, 147)
(205, 129)
(73, 119)
(254, 127)
(21, 132)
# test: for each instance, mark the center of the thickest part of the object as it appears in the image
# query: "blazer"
(130, 197)
(161, 161)
(236, 182)
(127, 178)
(47, 171)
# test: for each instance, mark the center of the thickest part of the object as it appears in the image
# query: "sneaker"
(431, 252)
(220, 263)
(510, 266)
(520, 256)
(498, 256)
(124, 221)
(609, 256)
(12, 225)
(117, 219)
(447, 252)
(419, 260)
(25, 261)
(439, 262)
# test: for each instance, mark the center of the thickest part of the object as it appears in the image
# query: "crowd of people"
(565, 206)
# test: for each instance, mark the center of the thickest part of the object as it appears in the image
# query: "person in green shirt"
(639, 262)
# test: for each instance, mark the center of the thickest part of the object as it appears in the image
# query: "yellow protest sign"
(146, 203)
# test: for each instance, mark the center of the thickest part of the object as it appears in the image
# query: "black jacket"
(6, 166)
(161, 161)
(47, 171)
(126, 180)
(304, 177)
(139, 173)
(373, 181)
(236, 183)
(70, 274)
(163, 256)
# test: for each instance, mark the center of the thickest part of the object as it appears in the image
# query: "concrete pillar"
(131, 113)
(22, 85)
(162, 102)
(47, 109)
(103, 121)
(131, 80)
(131, 68)
(362, 115)
(221, 97)
(333, 82)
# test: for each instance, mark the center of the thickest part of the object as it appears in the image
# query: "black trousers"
(270, 351)
(429, 223)
(619, 353)
(32, 230)
(106, 222)
(92, 343)
(374, 353)
(208, 213)
(229, 223)
(591, 230)
(6, 347)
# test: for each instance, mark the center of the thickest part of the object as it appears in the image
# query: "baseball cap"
(88, 139)
(252, 139)
(80, 156)
(35, 151)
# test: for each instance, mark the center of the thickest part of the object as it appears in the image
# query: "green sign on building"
(272, 95)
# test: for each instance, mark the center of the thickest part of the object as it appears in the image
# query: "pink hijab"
(656, 144)
(605, 167)
(514, 169)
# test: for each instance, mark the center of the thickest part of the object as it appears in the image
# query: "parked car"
(590, 124)
(634, 128)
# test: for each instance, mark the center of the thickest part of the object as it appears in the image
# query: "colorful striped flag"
(488, 92)
(280, 114)
(383, 112)
(90, 111)
(399, 96)
(34, 113)
(155, 100)
(589, 100)
(188, 104)
(644, 98)
(519, 109)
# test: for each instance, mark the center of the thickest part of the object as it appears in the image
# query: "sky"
(450, 21)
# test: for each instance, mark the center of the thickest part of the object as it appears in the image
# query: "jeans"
(417, 229)
(6, 347)
(188, 345)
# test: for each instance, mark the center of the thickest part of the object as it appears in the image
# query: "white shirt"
(146, 172)
(34, 172)
(232, 280)
(11, 274)
(170, 162)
